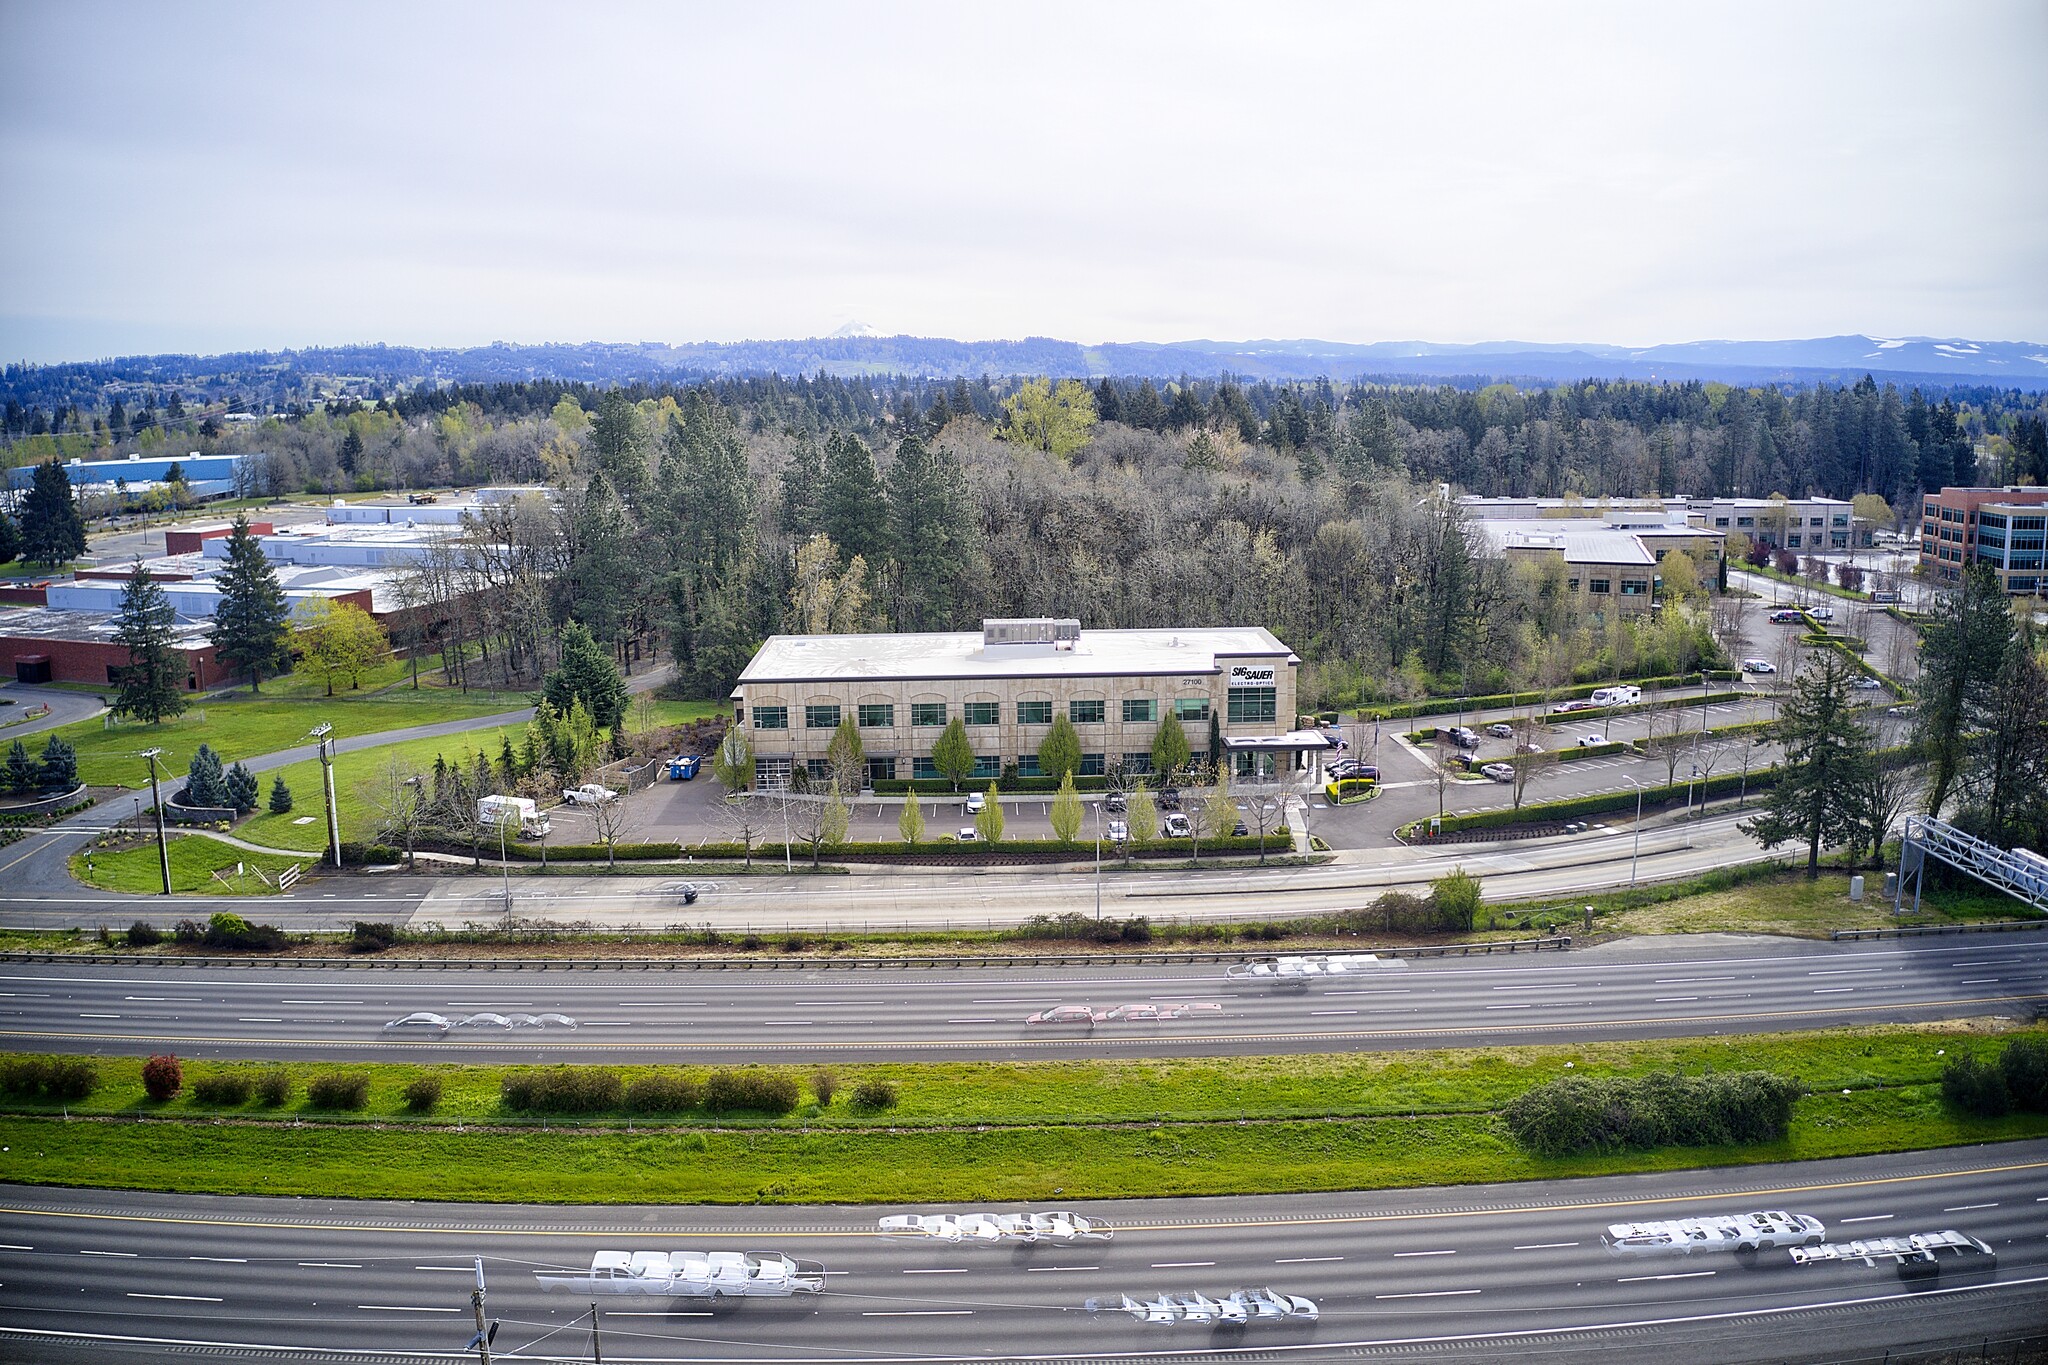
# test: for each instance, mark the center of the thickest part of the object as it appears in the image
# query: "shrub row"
(49, 1078)
(1076, 927)
(1229, 843)
(339, 1090)
(1664, 1109)
(2016, 1080)
(940, 786)
(1436, 706)
(1574, 807)
(226, 931)
(592, 1090)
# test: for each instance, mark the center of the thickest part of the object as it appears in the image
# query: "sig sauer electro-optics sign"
(1244, 675)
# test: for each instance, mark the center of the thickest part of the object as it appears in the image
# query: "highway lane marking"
(1980, 981)
(1963, 1208)
(1762, 1192)
(1178, 1265)
(1399, 1254)
(401, 1308)
(1437, 1293)
(458, 1269)
(1673, 999)
(657, 1313)
(1848, 971)
(173, 999)
(1033, 1269)
(125, 1255)
(181, 1298)
(13, 1246)
(329, 1265)
(1333, 1011)
(314, 1002)
(1869, 1218)
(222, 1260)
(991, 1019)
(1545, 1246)
(1677, 1275)
(259, 1021)
(918, 1313)
(962, 1270)
(1834, 990)
(1305, 1260)
(1689, 980)
(116, 1016)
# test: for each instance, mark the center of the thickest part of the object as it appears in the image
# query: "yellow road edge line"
(1765, 1193)
(924, 1045)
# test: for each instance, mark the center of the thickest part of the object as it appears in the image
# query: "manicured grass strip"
(194, 860)
(1083, 1092)
(358, 776)
(671, 1166)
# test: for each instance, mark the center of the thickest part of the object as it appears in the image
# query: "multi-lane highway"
(1632, 988)
(1473, 1273)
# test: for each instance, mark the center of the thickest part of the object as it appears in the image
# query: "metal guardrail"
(1557, 943)
(1918, 930)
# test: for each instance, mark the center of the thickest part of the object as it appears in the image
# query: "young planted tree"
(340, 640)
(1218, 808)
(989, 823)
(746, 817)
(59, 765)
(21, 775)
(1066, 811)
(953, 755)
(240, 789)
(910, 824)
(1170, 750)
(1142, 819)
(1059, 753)
(397, 798)
(1826, 753)
(249, 622)
(838, 820)
(732, 763)
(152, 683)
(280, 796)
(206, 781)
(847, 756)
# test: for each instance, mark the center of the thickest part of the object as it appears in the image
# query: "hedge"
(1435, 706)
(1663, 1109)
(1229, 843)
(1637, 708)
(1575, 807)
(1350, 789)
(1591, 750)
(939, 786)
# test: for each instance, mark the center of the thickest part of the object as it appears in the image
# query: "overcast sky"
(204, 177)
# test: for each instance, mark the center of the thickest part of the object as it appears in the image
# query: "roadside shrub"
(665, 1092)
(143, 934)
(824, 1085)
(229, 931)
(222, 1089)
(2025, 1068)
(1977, 1087)
(874, 1094)
(423, 1093)
(1664, 1109)
(50, 1078)
(562, 1090)
(1454, 898)
(372, 936)
(727, 1092)
(162, 1077)
(339, 1090)
(189, 932)
(1136, 929)
(273, 1087)
(795, 943)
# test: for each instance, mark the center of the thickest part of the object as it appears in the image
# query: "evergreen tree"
(1059, 753)
(1826, 753)
(152, 682)
(206, 782)
(250, 630)
(280, 796)
(22, 776)
(52, 530)
(1170, 752)
(931, 521)
(59, 765)
(10, 540)
(608, 565)
(803, 481)
(1962, 647)
(953, 755)
(241, 789)
(851, 507)
(588, 674)
(619, 445)
(351, 451)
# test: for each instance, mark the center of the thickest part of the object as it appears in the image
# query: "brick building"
(2001, 528)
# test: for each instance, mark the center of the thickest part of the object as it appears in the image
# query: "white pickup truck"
(992, 1229)
(1727, 1232)
(1919, 1254)
(590, 794)
(692, 1275)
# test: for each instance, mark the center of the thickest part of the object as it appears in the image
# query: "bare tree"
(396, 794)
(746, 817)
(1265, 807)
(1665, 738)
(1528, 767)
(608, 819)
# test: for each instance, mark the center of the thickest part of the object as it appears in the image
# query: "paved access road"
(1629, 989)
(1466, 1273)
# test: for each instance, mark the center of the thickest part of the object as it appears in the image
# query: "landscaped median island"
(199, 865)
(960, 1130)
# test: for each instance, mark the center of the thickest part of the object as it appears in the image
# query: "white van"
(492, 811)
(1617, 696)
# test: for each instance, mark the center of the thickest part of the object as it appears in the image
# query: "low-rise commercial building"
(2000, 528)
(1608, 571)
(1801, 525)
(1006, 683)
(39, 645)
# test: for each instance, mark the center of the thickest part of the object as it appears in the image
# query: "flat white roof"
(960, 654)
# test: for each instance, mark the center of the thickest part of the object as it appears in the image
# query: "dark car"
(1169, 798)
(1240, 829)
(1115, 803)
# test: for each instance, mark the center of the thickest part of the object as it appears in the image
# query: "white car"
(421, 1021)
(1822, 613)
(1176, 826)
(1500, 772)
(1591, 741)
(977, 802)
(1062, 1014)
(1241, 1308)
(692, 1275)
(1728, 1232)
(1501, 730)
(1118, 831)
(590, 794)
(1866, 683)
(1758, 666)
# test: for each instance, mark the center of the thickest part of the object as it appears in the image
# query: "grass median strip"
(985, 1131)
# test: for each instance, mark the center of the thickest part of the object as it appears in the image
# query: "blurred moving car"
(1758, 666)
(421, 1021)
(1062, 1014)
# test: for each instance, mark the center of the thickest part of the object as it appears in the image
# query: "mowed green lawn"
(194, 861)
(248, 728)
(358, 777)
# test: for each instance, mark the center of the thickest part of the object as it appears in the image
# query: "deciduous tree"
(1066, 811)
(1054, 419)
(1059, 753)
(953, 755)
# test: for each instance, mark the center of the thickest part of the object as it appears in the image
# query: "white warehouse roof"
(962, 654)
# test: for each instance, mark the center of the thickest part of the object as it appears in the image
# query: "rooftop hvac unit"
(1059, 632)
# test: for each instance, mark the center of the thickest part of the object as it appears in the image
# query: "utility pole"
(482, 1340)
(321, 732)
(163, 843)
(596, 1346)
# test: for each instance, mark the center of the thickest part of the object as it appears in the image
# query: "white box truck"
(493, 811)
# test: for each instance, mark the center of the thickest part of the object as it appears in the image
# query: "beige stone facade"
(1006, 685)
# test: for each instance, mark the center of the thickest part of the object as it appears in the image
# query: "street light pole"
(321, 732)
(1098, 861)
(163, 843)
(1637, 851)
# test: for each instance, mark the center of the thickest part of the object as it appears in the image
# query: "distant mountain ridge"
(857, 350)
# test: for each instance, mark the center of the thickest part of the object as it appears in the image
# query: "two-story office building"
(2001, 528)
(1801, 525)
(1005, 683)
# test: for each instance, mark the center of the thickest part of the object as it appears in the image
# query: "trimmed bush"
(875, 1094)
(664, 1092)
(423, 1093)
(372, 936)
(222, 1089)
(339, 1090)
(162, 1077)
(143, 934)
(229, 932)
(1663, 1109)
(46, 1078)
(727, 1092)
(273, 1087)
(824, 1085)
(2025, 1068)
(562, 1090)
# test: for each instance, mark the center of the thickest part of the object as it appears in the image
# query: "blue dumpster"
(683, 769)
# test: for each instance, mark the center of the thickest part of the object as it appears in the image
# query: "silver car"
(421, 1021)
